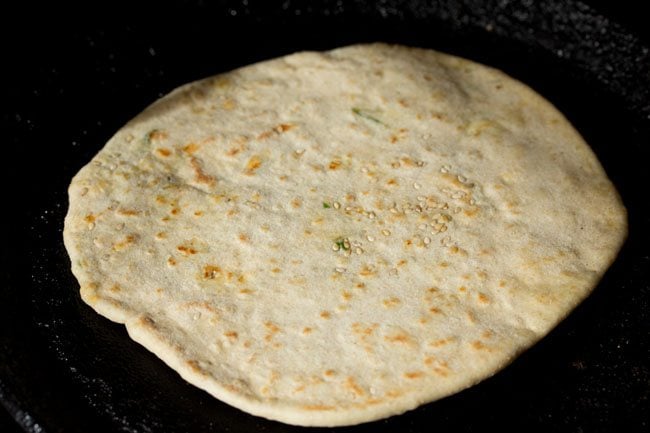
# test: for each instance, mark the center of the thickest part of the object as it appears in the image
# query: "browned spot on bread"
(89, 291)
(128, 212)
(298, 281)
(171, 261)
(163, 151)
(296, 203)
(358, 328)
(439, 116)
(407, 161)
(210, 272)
(228, 104)
(435, 310)
(272, 329)
(318, 407)
(199, 175)
(440, 342)
(462, 289)
(335, 164)
(414, 374)
(234, 150)
(253, 164)
(218, 198)
(231, 334)
(438, 366)
(391, 302)
(367, 271)
(453, 180)
(190, 148)
(115, 288)
(126, 242)
(364, 330)
(487, 334)
(202, 305)
(284, 127)
(353, 386)
(325, 314)
(346, 295)
(307, 330)
(394, 393)
(243, 237)
(400, 338)
(316, 379)
(479, 345)
(194, 366)
(454, 249)
(317, 168)
(89, 218)
(369, 402)
(391, 182)
(482, 298)
(330, 373)
(186, 250)
(364, 333)
(156, 135)
(147, 322)
(233, 388)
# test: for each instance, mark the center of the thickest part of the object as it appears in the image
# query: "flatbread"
(332, 238)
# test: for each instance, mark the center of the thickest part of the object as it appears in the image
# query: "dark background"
(47, 57)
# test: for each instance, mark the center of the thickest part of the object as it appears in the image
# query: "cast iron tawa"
(64, 368)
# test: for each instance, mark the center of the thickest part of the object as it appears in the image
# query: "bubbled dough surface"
(332, 238)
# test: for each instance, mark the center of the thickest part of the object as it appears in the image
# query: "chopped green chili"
(342, 244)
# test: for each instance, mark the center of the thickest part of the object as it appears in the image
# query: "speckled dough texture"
(332, 238)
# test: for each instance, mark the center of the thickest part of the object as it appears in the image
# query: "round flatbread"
(332, 238)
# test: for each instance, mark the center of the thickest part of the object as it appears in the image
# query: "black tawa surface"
(63, 368)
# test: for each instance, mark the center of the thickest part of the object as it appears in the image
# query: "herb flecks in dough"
(366, 114)
(284, 249)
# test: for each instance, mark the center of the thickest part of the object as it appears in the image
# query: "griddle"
(63, 368)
